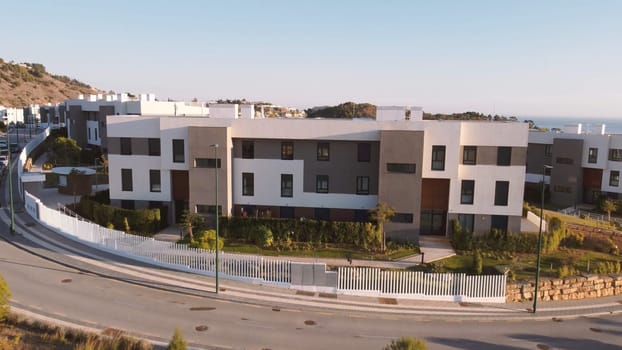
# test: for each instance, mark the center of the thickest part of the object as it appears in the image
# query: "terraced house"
(431, 172)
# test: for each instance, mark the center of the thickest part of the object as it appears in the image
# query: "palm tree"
(608, 205)
(381, 214)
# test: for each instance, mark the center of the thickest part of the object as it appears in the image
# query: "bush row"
(139, 221)
(363, 235)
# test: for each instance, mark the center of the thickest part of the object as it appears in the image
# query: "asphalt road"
(45, 287)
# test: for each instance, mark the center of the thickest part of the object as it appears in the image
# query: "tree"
(478, 262)
(406, 343)
(608, 205)
(381, 214)
(5, 295)
(178, 342)
(64, 151)
(191, 221)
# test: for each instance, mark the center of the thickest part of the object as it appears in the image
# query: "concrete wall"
(312, 277)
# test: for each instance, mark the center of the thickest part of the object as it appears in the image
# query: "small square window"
(321, 184)
(154, 147)
(287, 150)
(469, 155)
(126, 146)
(504, 156)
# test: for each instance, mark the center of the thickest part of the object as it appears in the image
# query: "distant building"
(586, 164)
(431, 172)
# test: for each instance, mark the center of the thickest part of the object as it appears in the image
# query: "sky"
(517, 58)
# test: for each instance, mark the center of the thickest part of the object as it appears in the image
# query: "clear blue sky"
(523, 58)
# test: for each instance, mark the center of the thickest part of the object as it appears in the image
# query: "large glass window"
(126, 180)
(467, 191)
(323, 151)
(248, 184)
(178, 151)
(287, 150)
(504, 155)
(154, 147)
(469, 155)
(126, 146)
(362, 185)
(438, 157)
(321, 184)
(501, 192)
(614, 178)
(592, 156)
(615, 155)
(155, 184)
(206, 163)
(287, 185)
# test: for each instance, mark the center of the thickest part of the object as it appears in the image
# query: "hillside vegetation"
(22, 84)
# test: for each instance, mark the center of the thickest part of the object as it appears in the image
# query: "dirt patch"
(387, 301)
(310, 323)
(66, 280)
(276, 309)
(328, 295)
(201, 328)
(306, 293)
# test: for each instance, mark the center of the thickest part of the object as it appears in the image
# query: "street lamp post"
(215, 146)
(10, 184)
(535, 294)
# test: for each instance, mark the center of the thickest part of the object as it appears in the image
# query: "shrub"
(460, 238)
(573, 240)
(5, 296)
(566, 270)
(555, 224)
(599, 243)
(406, 343)
(206, 239)
(263, 236)
(178, 342)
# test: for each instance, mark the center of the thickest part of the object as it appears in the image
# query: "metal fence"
(420, 285)
(232, 266)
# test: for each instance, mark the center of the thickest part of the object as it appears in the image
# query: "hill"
(22, 84)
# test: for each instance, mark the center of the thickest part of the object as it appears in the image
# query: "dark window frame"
(287, 150)
(154, 147)
(615, 155)
(125, 146)
(438, 157)
(248, 149)
(592, 155)
(504, 156)
(322, 183)
(248, 184)
(614, 178)
(287, 185)
(467, 190)
(323, 151)
(207, 163)
(402, 168)
(179, 152)
(469, 155)
(548, 150)
(402, 218)
(502, 192)
(155, 186)
(362, 185)
(127, 181)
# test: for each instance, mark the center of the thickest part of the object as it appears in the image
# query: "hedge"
(138, 220)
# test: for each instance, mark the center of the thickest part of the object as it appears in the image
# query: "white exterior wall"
(601, 142)
(441, 133)
(385, 113)
(223, 110)
(140, 166)
(267, 181)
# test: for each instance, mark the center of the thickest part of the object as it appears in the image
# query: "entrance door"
(433, 222)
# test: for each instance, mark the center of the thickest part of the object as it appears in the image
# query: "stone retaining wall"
(571, 288)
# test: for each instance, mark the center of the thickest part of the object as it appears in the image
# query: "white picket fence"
(251, 268)
(420, 285)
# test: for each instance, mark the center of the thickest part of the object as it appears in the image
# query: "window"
(361, 215)
(286, 212)
(127, 204)
(362, 185)
(248, 149)
(178, 151)
(287, 185)
(467, 222)
(406, 168)
(438, 157)
(89, 132)
(592, 156)
(126, 180)
(562, 189)
(154, 181)
(548, 150)
(248, 184)
(469, 155)
(206, 163)
(402, 218)
(126, 146)
(96, 133)
(154, 147)
(207, 209)
(499, 223)
(364, 152)
(287, 150)
(564, 160)
(466, 192)
(547, 171)
(323, 151)
(614, 178)
(615, 155)
(321, 184)
(504, 155)
(501, 192)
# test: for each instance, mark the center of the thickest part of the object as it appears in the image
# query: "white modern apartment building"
(431, 172)
(586, 164)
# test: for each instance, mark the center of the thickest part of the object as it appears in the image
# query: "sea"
(612, 125)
